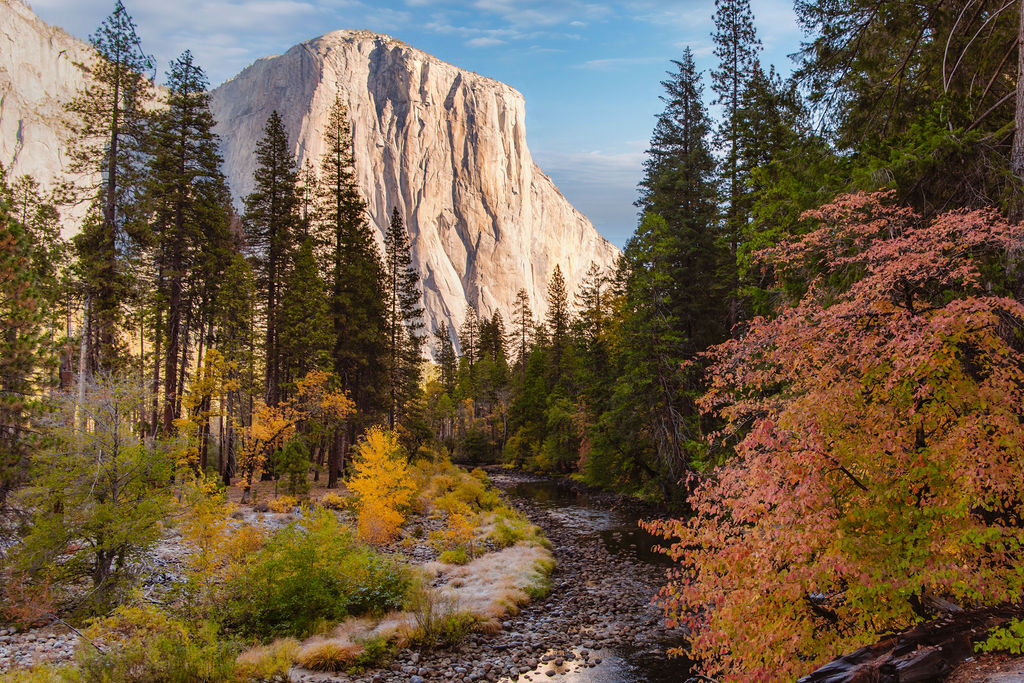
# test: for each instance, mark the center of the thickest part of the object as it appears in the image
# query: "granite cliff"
(444, 145)
(38, 74)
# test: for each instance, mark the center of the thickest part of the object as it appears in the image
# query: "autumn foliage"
(383, 484)
(877, 423)
(315, 402)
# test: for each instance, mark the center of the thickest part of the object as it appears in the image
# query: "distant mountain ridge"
(446, 146)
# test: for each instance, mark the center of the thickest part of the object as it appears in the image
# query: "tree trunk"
(1017, 155)
(334, 459)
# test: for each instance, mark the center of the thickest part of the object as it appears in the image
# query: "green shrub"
(507, 532)
(145, 645)
(376, 652)
(1006, 638)
(438, 621)
(292, 463)
(305, 575)
(456, 556)
(455, 627)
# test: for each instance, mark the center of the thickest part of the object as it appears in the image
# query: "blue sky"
(589, 69)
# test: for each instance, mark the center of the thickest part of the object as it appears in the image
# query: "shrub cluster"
(309, 572)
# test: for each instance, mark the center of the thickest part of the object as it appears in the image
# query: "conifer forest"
(780, 438)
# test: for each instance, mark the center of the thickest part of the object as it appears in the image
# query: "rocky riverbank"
(597, 622)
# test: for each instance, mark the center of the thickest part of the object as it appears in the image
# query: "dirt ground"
(994, 668)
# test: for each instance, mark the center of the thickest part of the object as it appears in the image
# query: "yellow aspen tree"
(383, 484)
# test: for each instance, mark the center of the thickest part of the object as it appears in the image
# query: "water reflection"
(617, 529)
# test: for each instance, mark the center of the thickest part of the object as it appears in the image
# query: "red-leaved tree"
(879, 444)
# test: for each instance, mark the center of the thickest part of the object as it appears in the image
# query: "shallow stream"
(579, 514)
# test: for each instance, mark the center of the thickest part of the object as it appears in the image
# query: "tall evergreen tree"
(523, 321)
(237, 341)
(22, 347)
(446, 358)
(51, 254)
(591, 327)
(493, 340)
(187, 198)
(651, 400)
(271, 215)
(670, 297)
(404, 318)
(679, 185)
(736, 47)
(469, 337)
(558, 321)
(357, 280)
(304, 326)
(108, 140)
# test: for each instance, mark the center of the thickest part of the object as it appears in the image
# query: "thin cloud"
(617, 63)
(485, 41)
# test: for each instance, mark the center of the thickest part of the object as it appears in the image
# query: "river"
(608, 575)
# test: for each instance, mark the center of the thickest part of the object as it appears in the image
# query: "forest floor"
(990, 668)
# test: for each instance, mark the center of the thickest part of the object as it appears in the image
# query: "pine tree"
(304, 327)
(788, 169)
(591, 325)
(357, 298)
(558, 321)
(51, 254)
(650, 394)
(357, 278)
(469, 337)
(187, 197)
(237, 341)
(493, 339)
(679, 185)
(108, 139)
(404, 318)
(737, 48)
(271, 214)
(22, 348)
(307, 194)
(523, 320)
(446, 359)
(670, 296)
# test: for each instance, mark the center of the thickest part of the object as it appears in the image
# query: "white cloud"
(484, 41)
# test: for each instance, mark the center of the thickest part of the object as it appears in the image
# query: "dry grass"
(327, 654)
(496, 584)
(267, 662)
(282, 504)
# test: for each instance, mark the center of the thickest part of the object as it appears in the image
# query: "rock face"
(37, 76)
(445, 146)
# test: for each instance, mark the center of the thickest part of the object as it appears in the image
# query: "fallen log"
(927, 652)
